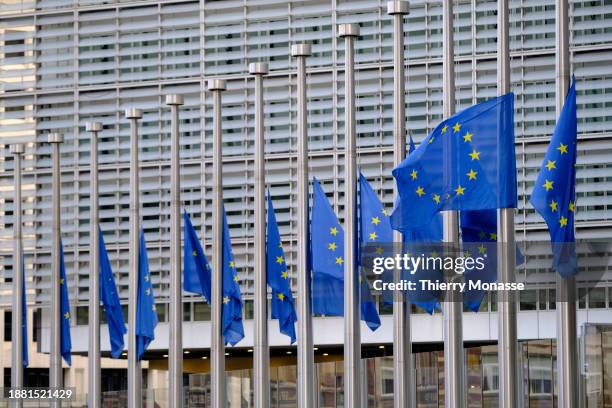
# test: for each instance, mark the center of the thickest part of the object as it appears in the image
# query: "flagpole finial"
(348, 30)
(301, 50)
(174, 99)
(217, 85)
(55, 138)
(398, 7)
(93, 126)
(258, 68)
(17, 148)
(133, 113)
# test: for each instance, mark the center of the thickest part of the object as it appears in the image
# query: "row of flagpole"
(403, 366)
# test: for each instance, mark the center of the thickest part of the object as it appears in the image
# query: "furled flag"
(467, 163)
(197, 268)
(233, 330)
(65, 341)
(411, 146)
(24, 317)
(146, 315)
(554, 193)
(283, 307)
(327, 257)
(110, 300)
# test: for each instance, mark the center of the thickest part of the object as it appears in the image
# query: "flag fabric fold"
(197, 272)
(146, 315)
(65, 341)
(233, 329)
(554, 193)
(467, 163)
(110, 300)
(283, 305)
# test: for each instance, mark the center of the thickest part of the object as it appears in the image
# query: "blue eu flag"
(467, 163)
(327, 257)
(233, 330)
(283, 307)
(24, 317)
(65, 342)
(554, 193)
(110, 300)
(197, 268)
(146, 315)
(411, 146)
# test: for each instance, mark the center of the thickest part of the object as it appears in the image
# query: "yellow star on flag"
(482, 234)
(66, 315)
(467, 137)
(551, 164)
(279, 260)
(333, 231)
(481, 249)
(379, 250)
(444, 129)
(571, 206)
(280, 296)
(413, 174)
(339, 260)
(375, 220)
(553, 206)
(562, 148)
(475, 155)
(226, 299)
(563, 221)
(436, 198)
(195, 253)
(331, 246)
(285, 275)
(420, 192)
(236, 278)
(148, 291)
(456, 127)
(61, 281)
(232, 264)
(472, 174)
(460, 190)
(548, 185)
(493, 236)
(385, 212)
(373, 236)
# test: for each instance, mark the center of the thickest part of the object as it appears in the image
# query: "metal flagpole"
(17, 333)
(93, 361)
(403, 391)
(566, 288)
(261, 352)
(352, 334)
(55, 353)
(217, 366)
(507, 334)
(175, 366)
(453, 308)
(134, 371)
(305, 358)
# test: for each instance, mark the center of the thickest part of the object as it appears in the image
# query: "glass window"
(8, 324)
(248, 309)
(597, 298)
(582, 298)
(527, 299)
(201, 311)
(161, 311)
(552, 299)
(187, 312)
(82, 315)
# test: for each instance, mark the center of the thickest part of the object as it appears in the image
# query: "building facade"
(65, 62)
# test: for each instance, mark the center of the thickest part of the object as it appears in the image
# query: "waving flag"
(233, 330)
(327, 246)
(283, 307)
(554, 194)
(196, 266)
(467, 163)
(24, 317)
(110, 300)
(146, 315)
(65, 341)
